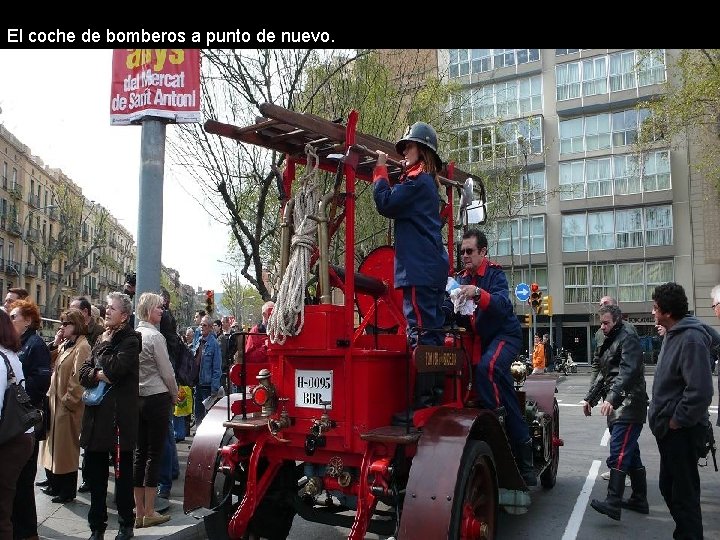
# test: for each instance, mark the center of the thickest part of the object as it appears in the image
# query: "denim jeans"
(169, 464)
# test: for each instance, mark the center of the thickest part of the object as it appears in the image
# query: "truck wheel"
(274, 516)
(549, 475)
(475, 505)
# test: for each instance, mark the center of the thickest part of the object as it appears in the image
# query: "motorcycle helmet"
(424, 134)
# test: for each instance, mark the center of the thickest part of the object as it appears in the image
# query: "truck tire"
(475, 503)
(549, 475)
(274, 516)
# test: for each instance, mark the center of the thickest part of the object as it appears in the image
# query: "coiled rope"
(288, 315)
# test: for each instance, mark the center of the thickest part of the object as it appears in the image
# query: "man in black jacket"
(678, 416)
(621, 383)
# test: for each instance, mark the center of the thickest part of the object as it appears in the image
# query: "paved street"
(561, 513)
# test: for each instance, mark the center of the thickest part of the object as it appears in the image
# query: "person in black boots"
(112, 425)
(497, 340)
(61, 451)
(621, 382)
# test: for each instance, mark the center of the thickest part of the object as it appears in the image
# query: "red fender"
(435, 467)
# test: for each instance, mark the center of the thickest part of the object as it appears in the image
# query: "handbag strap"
(10, 372)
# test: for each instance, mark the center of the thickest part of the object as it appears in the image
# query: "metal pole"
(150, 207)
(533, 314)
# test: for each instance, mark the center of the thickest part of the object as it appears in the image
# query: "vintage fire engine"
(312, 433)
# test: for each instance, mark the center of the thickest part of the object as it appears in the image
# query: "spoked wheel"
(549, 475)
(475, 507)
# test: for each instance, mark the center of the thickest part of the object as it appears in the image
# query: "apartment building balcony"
(33, 234)
(103, 281)
(54, 213)
(94, 293)
(85, 290)
(14, 228)
(34, 200)
(113, 243)
(4, 182)
(11, 267)
(3, 222)
(16, 191)
(54, 276)
(31, 270)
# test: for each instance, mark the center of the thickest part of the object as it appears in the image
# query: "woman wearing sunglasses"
(61, 451)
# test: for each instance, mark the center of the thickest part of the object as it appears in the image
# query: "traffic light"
(209, 301)
(528, 319)
(547, 305)
(535, 297)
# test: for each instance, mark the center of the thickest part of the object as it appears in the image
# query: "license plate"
(312, 387)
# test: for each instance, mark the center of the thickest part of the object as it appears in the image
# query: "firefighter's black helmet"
(424, 134)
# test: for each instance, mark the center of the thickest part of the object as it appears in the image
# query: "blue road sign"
(522, 291)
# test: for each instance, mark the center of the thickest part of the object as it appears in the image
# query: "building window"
(508, 99)
(523, 275)
(488, 143)
(656, 171)
(532, 188)
(603, 281)
(465, 61)
(627, 174)
(620, 71)
(628, 282)
(628, 228)
(576, 285)
(594, 76)
(511, 236)
(658, 226)
(602, 131)
(572, 180)
(631, 286)
(574, 233)
(563, 52)
(567, 78)
(600, 231)
(598, 177)
(657, 273)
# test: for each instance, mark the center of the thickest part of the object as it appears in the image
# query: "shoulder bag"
(18, 412)
(94, 396)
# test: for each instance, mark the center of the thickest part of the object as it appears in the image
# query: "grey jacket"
(621, 371)
(683, 384)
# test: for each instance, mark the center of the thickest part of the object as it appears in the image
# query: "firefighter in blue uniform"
(421, 260)
(500, 336)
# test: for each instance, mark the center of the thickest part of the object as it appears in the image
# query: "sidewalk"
(66, 521)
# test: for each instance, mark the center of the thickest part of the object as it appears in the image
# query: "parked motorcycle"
(564, 362)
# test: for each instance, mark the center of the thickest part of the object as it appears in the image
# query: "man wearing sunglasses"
(498, 340)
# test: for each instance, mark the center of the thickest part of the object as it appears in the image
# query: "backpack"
(186, 372)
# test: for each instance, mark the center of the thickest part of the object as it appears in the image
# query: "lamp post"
(522, 144)
(24, 246)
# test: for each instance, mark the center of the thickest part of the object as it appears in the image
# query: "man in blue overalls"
(500, 335)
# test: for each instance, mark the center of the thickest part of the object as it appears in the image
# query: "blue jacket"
(494, 315)
(34, 356)
(210, 364)
(414, 204)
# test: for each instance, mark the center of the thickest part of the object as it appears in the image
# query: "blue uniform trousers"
(422, 307)
(624, 447)
(495, 388)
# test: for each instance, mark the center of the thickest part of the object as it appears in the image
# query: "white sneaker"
(606, 476)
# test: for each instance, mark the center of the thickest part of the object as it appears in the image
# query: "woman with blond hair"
(158, 393)
(61, 452)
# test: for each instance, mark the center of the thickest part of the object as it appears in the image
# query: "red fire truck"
(312, 432)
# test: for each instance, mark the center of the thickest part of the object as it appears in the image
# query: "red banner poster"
(161, 83)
